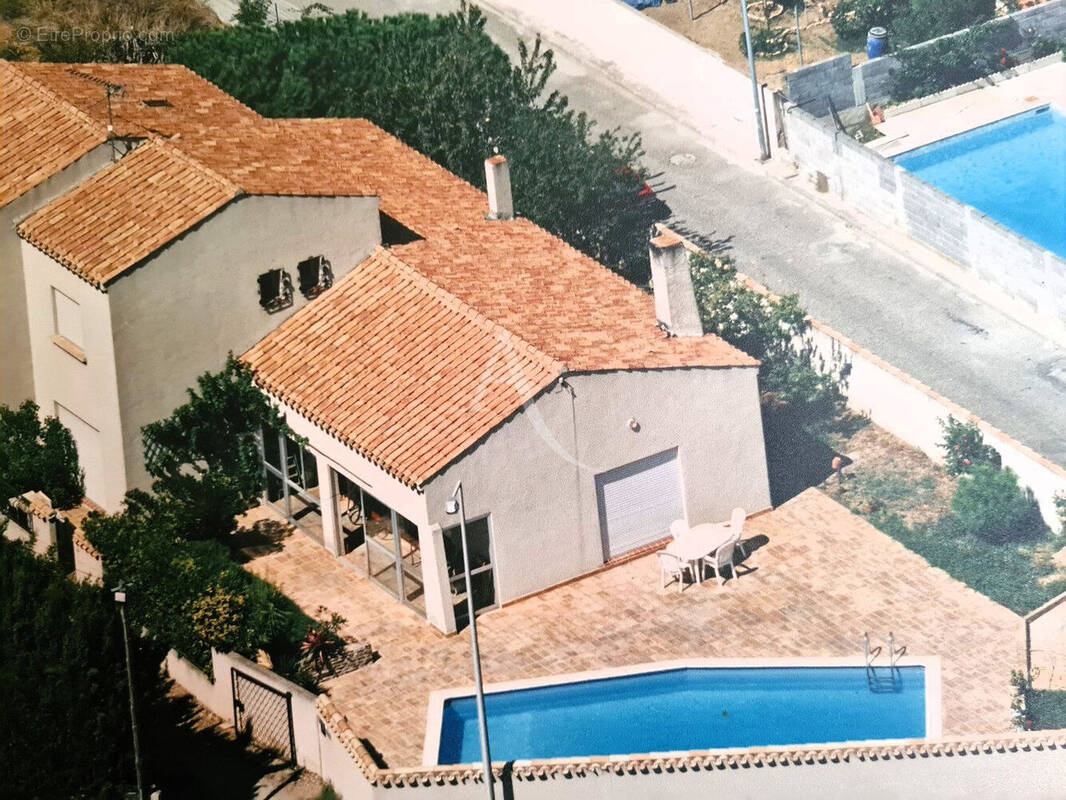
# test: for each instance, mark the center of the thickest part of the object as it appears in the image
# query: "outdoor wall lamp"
(634, 425)
(454, 505)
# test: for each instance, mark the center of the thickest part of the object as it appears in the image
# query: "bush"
(767, 42)
(852, 19)
(948, 62)
(964, 447)
(1042, 46)
(1060, 507)
(928, 19)
(64, 717)
(991, 506)
(767, 329)
(38, 455)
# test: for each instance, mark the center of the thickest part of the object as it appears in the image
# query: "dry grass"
(718, 24)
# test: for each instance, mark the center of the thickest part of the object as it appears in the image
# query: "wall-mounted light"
(634, 425)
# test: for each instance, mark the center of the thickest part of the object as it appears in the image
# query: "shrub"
(852, 19)
(1043, 46)
(991, 505)
(1060, 507)
(38, 455)
(948, 62)
(964, 447)
(64, 717)
(766, 42)
(928, 19)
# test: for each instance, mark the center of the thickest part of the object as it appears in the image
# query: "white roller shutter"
(638, 502)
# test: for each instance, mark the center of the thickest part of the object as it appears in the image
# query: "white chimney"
(675, 300)
(498, 183)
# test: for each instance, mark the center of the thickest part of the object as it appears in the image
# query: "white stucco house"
(413, 332)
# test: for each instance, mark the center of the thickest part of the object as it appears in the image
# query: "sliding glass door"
(381, 541)
(292, 482)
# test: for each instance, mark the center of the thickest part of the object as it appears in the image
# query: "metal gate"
(264, 714)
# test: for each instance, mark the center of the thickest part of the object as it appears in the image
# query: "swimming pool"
(688, 708)
(1014, 170)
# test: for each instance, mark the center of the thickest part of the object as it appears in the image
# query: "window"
(67, 317)
(316, 275)
(275, 290)
(157, 103)
(394, 232)
(482, 582)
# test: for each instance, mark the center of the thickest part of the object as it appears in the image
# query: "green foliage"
(949, 62)
(767, 42)
(1046, 709)
(991, 506)
(204, 457)
(1060, 507)
(328, 793)
(443, 87)
(928, 19)
(190, 595)
(964, 446)
(1043, 46)
(252, 12)
(767, 329)
(38, 455)
(64, 718)
(323, 643)
(852, 19)
(1003, 573)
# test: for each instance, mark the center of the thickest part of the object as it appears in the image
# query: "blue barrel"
(875, 42)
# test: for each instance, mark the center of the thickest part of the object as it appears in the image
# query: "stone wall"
(993, 253)
(870, 81)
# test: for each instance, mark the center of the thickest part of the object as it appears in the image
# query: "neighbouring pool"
(1013, 170)
(687, 709)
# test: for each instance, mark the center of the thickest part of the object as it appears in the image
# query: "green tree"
(928, 19)
(443, 87)
(64, 718)
(252, 12)
(767, 329)
(992, 506)
(38, 454)
(204, 457)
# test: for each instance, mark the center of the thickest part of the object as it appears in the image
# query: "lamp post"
(764, 150)
(120, 600)
(454, 505)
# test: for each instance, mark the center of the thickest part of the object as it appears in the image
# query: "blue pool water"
(686, 709)
(1013, 170)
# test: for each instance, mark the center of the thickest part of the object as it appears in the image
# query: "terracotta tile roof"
(127, 211)
(39, 134)
(53, 114)
(398, 369)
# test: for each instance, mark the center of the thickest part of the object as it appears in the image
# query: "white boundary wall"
(991, 252)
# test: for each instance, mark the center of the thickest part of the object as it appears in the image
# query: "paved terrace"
(822, 577)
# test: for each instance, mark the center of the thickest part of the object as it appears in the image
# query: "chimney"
(675, 300)
(498, 183)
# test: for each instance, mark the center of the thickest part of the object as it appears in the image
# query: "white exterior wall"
(88, 390)
(535, 475)
(16, 368)
(180, 313)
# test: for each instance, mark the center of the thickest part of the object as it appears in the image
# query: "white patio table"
(700, 541)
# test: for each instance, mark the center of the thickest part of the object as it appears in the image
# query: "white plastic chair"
(736, 526)
(673, 564)
(678, 528)
(721, 558)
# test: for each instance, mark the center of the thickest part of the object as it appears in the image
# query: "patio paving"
(822, 577)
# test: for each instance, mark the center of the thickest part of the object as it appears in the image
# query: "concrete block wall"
(870, 81)
(886, 192)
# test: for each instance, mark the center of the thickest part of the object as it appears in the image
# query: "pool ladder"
(876, 678)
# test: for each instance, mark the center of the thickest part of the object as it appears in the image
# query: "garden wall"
(990, 251)
(870, 81)
(911, 411)
(1045, 644)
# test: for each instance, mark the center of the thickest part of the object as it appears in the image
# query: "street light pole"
(764, 150)
(120, 600)
(453, 506)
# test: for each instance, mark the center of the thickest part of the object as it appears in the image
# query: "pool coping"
(933, 699)
(1041, 108)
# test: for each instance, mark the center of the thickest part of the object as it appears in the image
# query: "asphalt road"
(868, 290)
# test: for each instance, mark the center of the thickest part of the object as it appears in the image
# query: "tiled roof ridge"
(694, 761)
(168, 145)
(38, 88)
(460, 306)
(24, 229)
